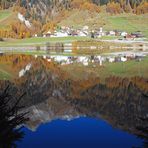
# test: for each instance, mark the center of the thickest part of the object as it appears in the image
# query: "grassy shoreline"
(34, 41)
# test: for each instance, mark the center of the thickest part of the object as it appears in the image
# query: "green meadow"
(40, 41)
(4, 14)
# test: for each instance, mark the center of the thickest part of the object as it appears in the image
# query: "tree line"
(45, 15)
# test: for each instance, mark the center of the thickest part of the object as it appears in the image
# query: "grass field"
(125, 22)
(128, 22)
(4, 14)
(6, 18)
(40, 41)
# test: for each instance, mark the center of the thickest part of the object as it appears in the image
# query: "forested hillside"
(46, 5)
(44, 15)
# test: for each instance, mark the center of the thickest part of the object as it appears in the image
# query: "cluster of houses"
(96, 59)
(87, 32)
(64, 31)
(67, 31)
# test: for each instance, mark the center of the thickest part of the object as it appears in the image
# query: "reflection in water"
(9, 120)
(51, 94)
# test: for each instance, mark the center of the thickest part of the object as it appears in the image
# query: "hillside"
(37, 9)
(47, 15)
(125, 22)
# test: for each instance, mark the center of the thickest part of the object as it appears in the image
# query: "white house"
(101, 29)
(35, 35)
(60, 34)
(124, 34)
(81, 33)
(112, 33)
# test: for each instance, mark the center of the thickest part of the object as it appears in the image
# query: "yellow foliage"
(113, 8)
(85, 5)
(50, 26)
(142, 8)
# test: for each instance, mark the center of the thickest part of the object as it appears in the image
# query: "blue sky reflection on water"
(78, 133)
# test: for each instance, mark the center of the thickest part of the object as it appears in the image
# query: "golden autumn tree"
(142, 8)
(113, 8)
(50, 26)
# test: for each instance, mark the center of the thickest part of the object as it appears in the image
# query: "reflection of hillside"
(40, 83)
(124, 105)
(52, 94)
(49, 110)
(43, 81)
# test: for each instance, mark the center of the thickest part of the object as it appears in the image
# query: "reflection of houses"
(123, 59)
(129, 37)
(111, 59)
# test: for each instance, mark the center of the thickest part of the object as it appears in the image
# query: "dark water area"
(67, 113)
(78, 133)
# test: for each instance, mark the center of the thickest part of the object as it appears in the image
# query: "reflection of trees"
(10, 118)
(122, 102)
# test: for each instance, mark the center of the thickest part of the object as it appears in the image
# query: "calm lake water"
(65, 112)
(78, 133)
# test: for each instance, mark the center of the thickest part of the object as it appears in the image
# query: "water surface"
(75, 113)
(81, 132)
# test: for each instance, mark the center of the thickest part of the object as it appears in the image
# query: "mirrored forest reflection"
(52, 94)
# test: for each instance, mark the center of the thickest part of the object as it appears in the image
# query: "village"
(85, 31)
(64, 31)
